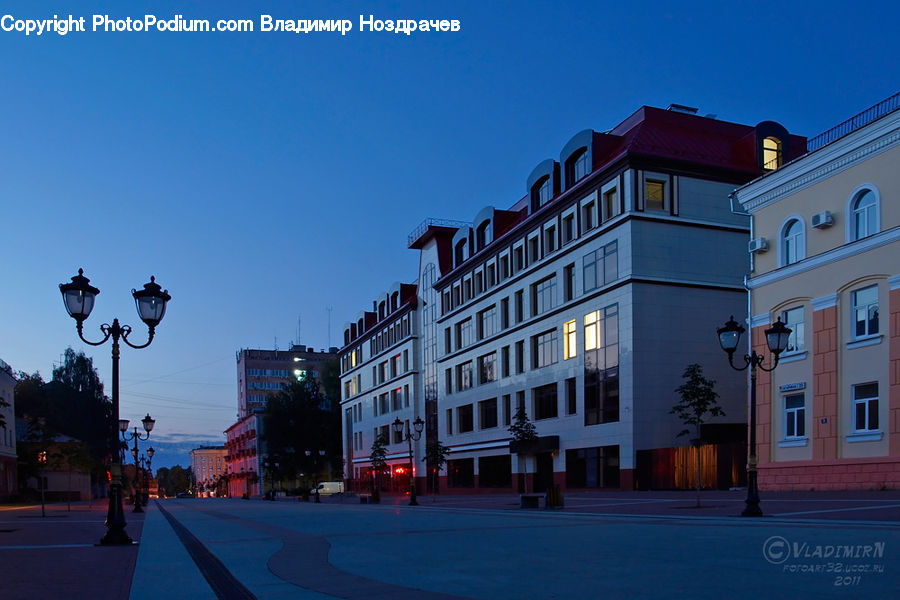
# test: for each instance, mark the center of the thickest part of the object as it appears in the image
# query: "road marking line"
(46, 547)
(813, 512)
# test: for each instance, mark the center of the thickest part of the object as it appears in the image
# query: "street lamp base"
(752, 509)
(116, 537)
(137, 507)
(413, 502)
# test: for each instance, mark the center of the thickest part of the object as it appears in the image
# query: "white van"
(326, 488)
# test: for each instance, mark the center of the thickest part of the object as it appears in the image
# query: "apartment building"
(379, 382)
(208, 466)
(8, 458)
(826, 242)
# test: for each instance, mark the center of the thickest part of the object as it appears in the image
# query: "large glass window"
(793, 320)
(543, 295)
(495, 471)
(487, 322)
(487, 368)
(865, 404)
(601, 366)
(772, 153)
(464, 376)
(465, 418)
(865, 215)
(545, 403)
(570, 340)
(794, 416)
(544, 349)
(487, 413)
(865, 311)
(601, 266)
(463, 333)
(655, 194)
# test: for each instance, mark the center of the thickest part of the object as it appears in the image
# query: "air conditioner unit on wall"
(758, 245)
(822, 220)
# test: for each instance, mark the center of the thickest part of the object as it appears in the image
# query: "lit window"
(865, 403)
(793, 246)
(865, 215)
(655, 194)
(570, 340)
(865, 311)
(772, 155)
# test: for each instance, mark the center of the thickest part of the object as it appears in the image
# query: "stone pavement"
(602, 544)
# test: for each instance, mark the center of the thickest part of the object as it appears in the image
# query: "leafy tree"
(300, 419)
(379, 464)
(174, 480)
(435, 457)
(698, 404)
(524, 435)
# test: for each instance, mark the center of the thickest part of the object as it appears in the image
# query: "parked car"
(184, 495)
(326, 488)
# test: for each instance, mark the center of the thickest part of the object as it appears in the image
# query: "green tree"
(379, 464)
(524, 436)
(300, 419)
(435, 457)
(698, 403)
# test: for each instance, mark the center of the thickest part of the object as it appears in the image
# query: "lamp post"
(777, 337)
(42, 460)
(150, 453)
(148, 422)
(78, 297)
(410, 436)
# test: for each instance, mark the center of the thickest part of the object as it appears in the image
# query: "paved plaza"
(601, 545)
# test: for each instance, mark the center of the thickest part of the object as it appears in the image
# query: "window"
(507, 411)
(865, 311)
(570, 340)
(534, 250)
(794, 416)
(549, 239)
(793, 320)
(520, 400)
(449, 421)
(865, 404)
(772, 153)
(487, 414)
(864, 214)
(520, 309)
(487, 368)
(487, 322)
(601, 366)
(601, 266)
(463, 333)
(465, 418)
(520, 356)
(571, 398)
(793, 246)
(544, 349)
(504, 313)
(448, 346)
(504, 361)
(398, 437)
(518, 259)
(543, 296)
(568, 282)
(504, 268)
(655, 194)
(588, 216)
(396, 399)
(568, 228)
(495, 471)
(541, 193)
(577, 167)
(464, 376)
(482, 235)
(461, 473)
(459, 252)
(545, 405)
(610, 203)
(490, 276)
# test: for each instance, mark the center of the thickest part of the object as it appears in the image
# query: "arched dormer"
(577, 156)
(542, 184)
(394, 297)
(462, 245)
(484, 228)
(772, 145)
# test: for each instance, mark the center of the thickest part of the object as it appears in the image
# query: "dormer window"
(577, 167)
(459, 252)
(772, 153)
(482, 235)
(541, 193)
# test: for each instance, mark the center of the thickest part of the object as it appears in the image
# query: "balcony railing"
(424, 225)
(888, 105)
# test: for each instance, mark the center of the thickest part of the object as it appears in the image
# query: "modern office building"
(826, 261)
(379, 382)
(262, 373)
(8, 458)
(208, 466)
(584, 302)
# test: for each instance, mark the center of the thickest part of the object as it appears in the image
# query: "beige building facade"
(826, 261)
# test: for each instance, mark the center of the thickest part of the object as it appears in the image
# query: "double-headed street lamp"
(777, 337)
(410, 436)
(150, 453)
(148, 422)
(78, 297)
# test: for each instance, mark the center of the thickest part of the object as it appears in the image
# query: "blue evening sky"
(264, 177)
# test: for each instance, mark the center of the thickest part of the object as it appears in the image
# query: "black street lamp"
(777, 337)
(148, 423)
(78, 297)
(150, 453)
(410, 436)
